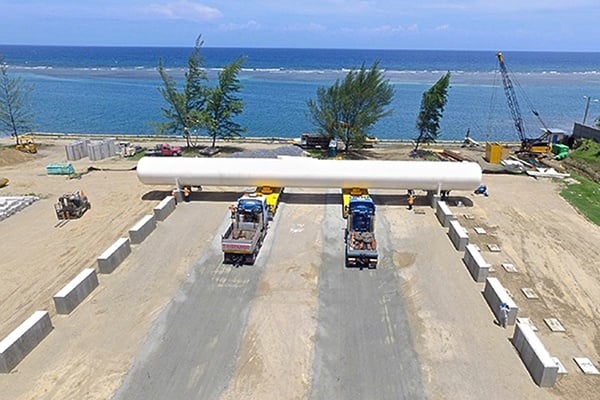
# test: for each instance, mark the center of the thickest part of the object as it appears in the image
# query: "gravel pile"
(270, 153)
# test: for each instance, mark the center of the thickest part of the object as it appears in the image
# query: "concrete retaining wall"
(534, 355)
(20, 342)
(475, 263)
(458, 235)
(70, 296)
(164, 208)
(142, 229)
(444, 214)
(495, 294)
(114, 255)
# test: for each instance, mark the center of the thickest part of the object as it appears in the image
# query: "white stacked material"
(100, 150)
(77, 150)
(11, 205)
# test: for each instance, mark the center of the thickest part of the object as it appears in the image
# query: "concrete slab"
(586, 365)
(527, 321)
(479, 230)
(554, 325)
(20, 342)
(494, 248)
(561, 368)
(114, 255)
(529, 293)
(70, 296)
(510, 268)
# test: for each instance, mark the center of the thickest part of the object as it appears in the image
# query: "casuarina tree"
(184, 112)
(15, 111)
(432, 108)
(347, 109)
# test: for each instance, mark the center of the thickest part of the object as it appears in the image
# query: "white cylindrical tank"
(307, 173)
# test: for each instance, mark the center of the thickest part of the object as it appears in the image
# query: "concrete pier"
(534, 355)
(495, 294)
(477, 266)
(164, 208)
(70, 296)
(443, 213)
(142, 229)
(114, 255)
(458, 235)
(20, 342)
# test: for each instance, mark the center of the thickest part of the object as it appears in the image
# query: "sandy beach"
(554, 248)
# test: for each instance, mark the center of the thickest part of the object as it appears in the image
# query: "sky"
(536, 25)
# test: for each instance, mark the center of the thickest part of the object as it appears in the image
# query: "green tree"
(222, 104)
(432, 108)
(348, 108)
(185, 108)
(15, 114)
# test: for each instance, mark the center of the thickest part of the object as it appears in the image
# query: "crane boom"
(511, 98)
(537, 145)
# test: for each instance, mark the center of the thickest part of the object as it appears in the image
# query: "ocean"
(115, 90)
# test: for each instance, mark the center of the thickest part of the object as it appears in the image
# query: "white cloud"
(310, 27)
(183, 10)
(247, 26)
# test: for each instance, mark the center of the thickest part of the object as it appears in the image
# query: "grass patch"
(584, 196)
(588, 152)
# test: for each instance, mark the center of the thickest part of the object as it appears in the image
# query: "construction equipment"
(249, 221)
(539, 145)
(72, 205)
(361, 246)
(26, 145)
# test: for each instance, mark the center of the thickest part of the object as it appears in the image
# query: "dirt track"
(553, 247)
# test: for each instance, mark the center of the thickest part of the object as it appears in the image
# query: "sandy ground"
(553, 247)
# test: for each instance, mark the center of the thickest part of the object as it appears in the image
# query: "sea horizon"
(115, 89)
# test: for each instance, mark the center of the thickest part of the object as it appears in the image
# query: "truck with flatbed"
(244, 236)
(361, 246)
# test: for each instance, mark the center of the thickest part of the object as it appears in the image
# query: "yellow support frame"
(352, 192)
(271, 195)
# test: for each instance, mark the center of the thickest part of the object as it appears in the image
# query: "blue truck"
(361, 246)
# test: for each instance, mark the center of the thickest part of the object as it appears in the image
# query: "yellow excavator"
(26, 145)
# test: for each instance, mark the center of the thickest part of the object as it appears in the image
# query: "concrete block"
(70, 296)
(534, 355)
(433, 199)
(142, 229)
(20, 342)
(495, 294)
(475, 263)
(164, 208)
(458, 235)
(443, 213)
(114, 255)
